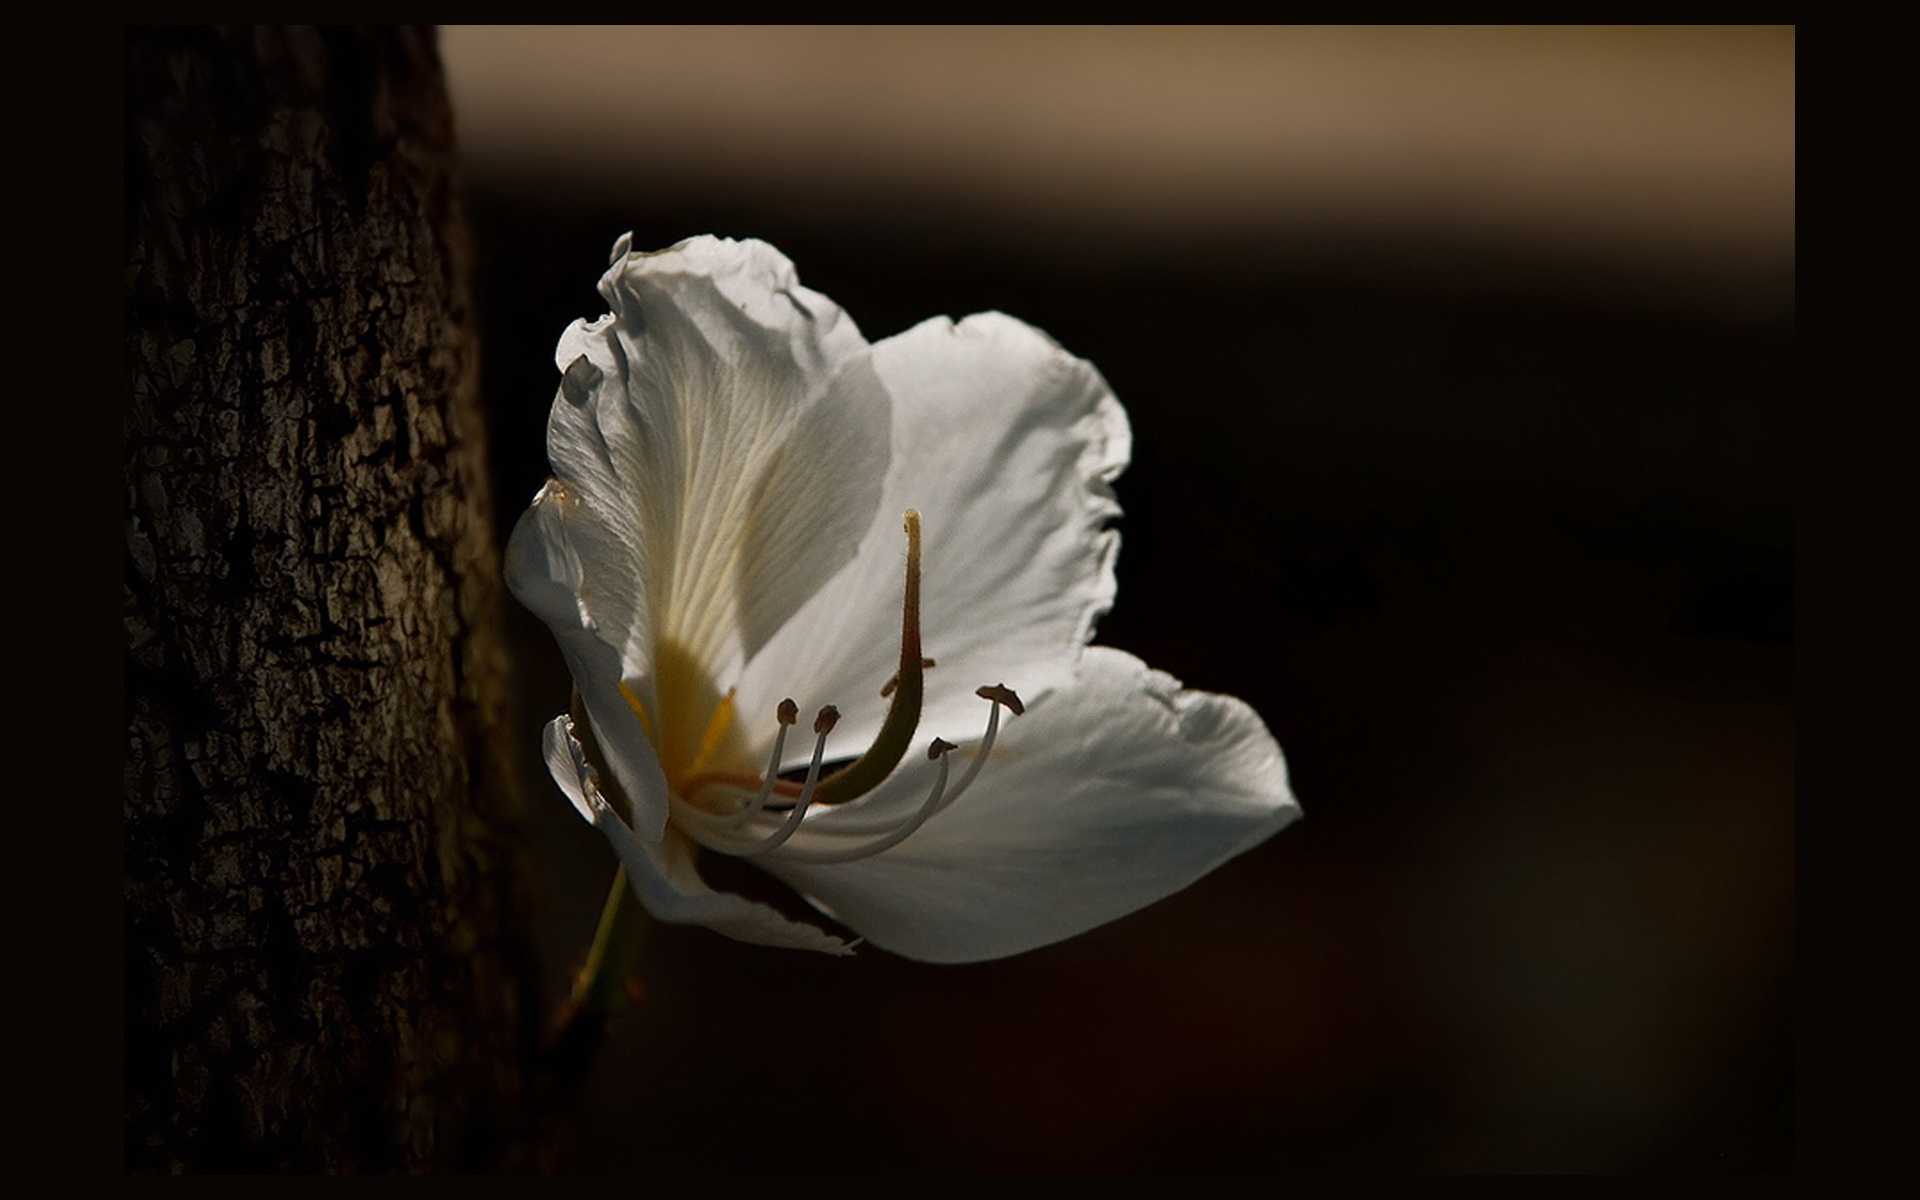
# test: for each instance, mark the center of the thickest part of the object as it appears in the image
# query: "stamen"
(821, 725)
(906, 691)
(854, 823)
(1000, 694)
(787, 714)
(938, 752)
(768, 784)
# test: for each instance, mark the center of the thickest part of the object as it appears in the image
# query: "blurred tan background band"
(1666, 147)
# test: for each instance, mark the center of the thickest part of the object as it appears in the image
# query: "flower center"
(688, 748)
(739, 813)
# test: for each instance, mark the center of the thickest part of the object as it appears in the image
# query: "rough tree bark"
(321, 970)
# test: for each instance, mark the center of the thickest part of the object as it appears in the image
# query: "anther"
(1002, 696)
(853, 824)
(828, 718)
(1000, 693)
(788, 713)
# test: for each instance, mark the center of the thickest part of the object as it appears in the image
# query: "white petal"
(662, 873)
(1113, 793)
(545, 570)
(719, 443)
(1008, 447)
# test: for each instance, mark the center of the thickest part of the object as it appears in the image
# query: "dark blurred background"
(1458, 360)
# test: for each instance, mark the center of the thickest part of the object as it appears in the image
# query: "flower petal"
(1116, 792)
(662, 873)
(1008, 446)
(720, 444)
(544, 569)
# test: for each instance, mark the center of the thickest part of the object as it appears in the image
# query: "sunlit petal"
(719, 445)
(723, 545)
(1008, 447)
(1120, 790)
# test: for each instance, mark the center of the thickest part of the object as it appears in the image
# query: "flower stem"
(605, 981)
(604, 985)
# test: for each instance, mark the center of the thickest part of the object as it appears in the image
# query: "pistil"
(871, 769)
(831, 836)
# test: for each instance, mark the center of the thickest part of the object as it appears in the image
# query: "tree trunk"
(321, 955)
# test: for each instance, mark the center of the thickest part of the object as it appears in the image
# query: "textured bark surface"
(320, 967)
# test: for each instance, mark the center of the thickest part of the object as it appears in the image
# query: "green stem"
(601, 988)
(604, 985)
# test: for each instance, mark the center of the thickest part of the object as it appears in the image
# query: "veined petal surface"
(723, 530)
(719, 445)
(1114, 792)
(1007, 446)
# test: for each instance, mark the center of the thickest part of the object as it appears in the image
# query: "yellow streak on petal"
(717, 727)
(693, 729)
(639, 710)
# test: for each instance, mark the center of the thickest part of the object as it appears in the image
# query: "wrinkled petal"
(1119, 790)
(544, 570)
(1008, 446)
(719, 445)
(662, 873)
(731, 462)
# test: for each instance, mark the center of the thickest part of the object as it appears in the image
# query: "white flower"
(732, 527)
